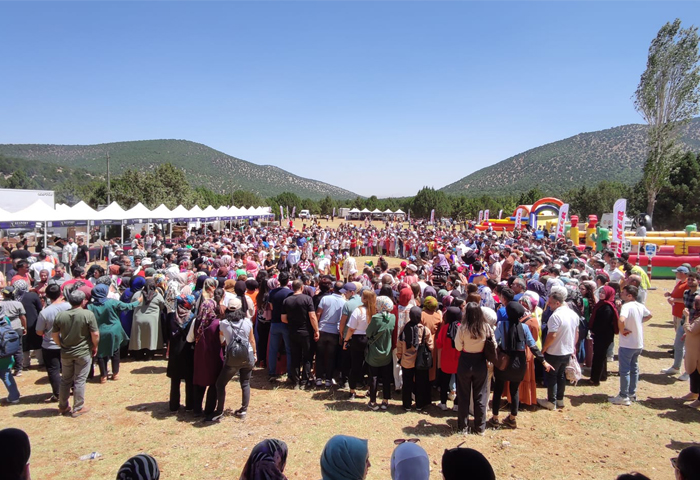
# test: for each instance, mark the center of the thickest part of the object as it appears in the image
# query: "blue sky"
(377, 97)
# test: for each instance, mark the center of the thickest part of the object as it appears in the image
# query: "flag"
(432, 216)
(561, 222)
(334, 211)
(409, 216)
(500, 213)
(618, 230)
(481, 217)
(281, 213)
(294, 211)
(287, 212)
(518, 219)
(486, 215)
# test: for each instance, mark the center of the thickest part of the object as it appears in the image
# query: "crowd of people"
(343, 458)
(466, 316)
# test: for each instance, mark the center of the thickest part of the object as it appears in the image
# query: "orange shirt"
(677, 293)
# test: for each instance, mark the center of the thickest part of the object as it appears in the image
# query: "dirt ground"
(589, 439)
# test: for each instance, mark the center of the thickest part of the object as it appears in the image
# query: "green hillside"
(203, 166)
(615, 154)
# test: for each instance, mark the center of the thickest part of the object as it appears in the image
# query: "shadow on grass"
(592, 399)
(40, 413)
(661, 325)
(656, 355)
(149, 370)
(37, 398)
(42, 380)
(161, 411)
(657, 378)
(674, 409)
(678, 446)
(427, 428)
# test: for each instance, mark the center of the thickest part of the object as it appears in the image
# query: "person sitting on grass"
(687, 464)
(409, 461)
(266, 461)
(345, 458)
(139, 467)
(466, 464)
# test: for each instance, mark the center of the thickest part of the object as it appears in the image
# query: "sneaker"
(51, 399)
(560, 403)
(240, 413)
(633, 398)
(384, 406)
(684, 378)
(620, 401)
(494, 422)
(11, 402)
(451, 396)
(352, 396)
(80, 412)
(17, 373)
(455, 408)
(373, 406)
(546, 404)
(442, 406)
(611, 359)
(510, 422)
(216, 416)
(319, 382)
(329, 383)
(671, 371)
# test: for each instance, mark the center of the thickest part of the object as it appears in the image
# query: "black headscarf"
(452, 319)
(457, 461)
(266, 461)
(149, 291)
(515, 334)
(15, 451)
(239, 289)
(140, 467)
(409, 334)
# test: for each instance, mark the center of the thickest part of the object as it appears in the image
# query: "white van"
(304, 214)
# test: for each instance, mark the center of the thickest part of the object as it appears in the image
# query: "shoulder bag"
(424, 357)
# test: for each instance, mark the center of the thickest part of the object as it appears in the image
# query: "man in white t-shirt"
(559, 347)
(632, 315)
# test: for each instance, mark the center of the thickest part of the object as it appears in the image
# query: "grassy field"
(588, 439)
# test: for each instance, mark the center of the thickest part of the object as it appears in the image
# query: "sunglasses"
(399, 441)
(674, 463)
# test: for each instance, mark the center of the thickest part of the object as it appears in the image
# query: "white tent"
(36, 212)
(180, 214)
(354, 210)
(223, 213)
(161, 212)
(400, 212)
(196, 213)
(388, 211)
(209, 214)
(111, 212)
(364, 210)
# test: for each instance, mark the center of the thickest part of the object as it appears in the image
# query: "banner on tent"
(67, 223)
(21, 224)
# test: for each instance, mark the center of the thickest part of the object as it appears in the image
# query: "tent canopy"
(354, 210)
(364, 210)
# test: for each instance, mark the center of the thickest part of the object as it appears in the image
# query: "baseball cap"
(348, 287)
(681, 269)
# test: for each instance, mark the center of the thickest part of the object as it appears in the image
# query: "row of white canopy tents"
(41, 215)
(375, 213)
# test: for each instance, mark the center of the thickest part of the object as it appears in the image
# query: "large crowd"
(466, 316)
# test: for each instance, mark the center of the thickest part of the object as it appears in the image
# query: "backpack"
(238, 353)
(10, 341)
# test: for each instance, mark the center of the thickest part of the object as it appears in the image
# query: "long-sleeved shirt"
(465, 343)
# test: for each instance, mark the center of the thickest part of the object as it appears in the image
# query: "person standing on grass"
(632, 315)
(678, 343)
(14, 311)
(329, 311)
(50, 351)
(299, 316)
(378, 353)
(675, 299)
(278, 330)
(356, 338)
(559, 346)
(604, 326)
(691, 328)
(415, 382)
(78, 335)
(449, 355)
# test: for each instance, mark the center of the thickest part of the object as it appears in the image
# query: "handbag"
(424, 357)
(490, 349)
(502, 361)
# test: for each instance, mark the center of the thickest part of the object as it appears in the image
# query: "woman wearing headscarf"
(112, 335)
(431, 318)
(181, 355)
(345, 458)
(414, 381)
(405, 303)
(472, 372)
(587, 290)
(266, 461)
(146, 334)
(513, 338)
(378, 353)
(457, 461)
(603, 326)
(131, 286)
(539, 288)
(410, 462)
(448, 355)
(32, 306)
(208, 354)
(140, 467)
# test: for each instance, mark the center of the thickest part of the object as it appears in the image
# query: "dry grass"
(588, 439)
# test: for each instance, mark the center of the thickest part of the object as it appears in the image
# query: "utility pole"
(109, 201)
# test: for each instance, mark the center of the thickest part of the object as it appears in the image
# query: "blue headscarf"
(137, 283)
(99, 294)
(344, 458)
(410, 462)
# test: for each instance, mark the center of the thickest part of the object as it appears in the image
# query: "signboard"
(627, 246)
(618, 226)
(30, 225)
(650, 249)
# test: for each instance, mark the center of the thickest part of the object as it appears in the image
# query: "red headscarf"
(609, 293)
(405, 295)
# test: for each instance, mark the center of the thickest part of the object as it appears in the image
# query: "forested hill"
(203, 166)
(615, 154)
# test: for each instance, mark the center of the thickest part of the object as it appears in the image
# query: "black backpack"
(10, 341)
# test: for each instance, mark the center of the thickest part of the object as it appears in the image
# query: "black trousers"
(472, 373)
(556, 379)
(357, 346)
(695, 382)
(385, 372)
(301, 356)
(175, 394)
(263, 336)
(498, 387)
(599, 367)
(102, 363)
(416, 382)
(325, 355)
(444, 383)
(210, 403)
(225, 376)
(52, 361)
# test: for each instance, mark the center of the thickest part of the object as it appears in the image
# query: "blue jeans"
(679, 346)
(9, 381)
(278, 331)
(629, 370)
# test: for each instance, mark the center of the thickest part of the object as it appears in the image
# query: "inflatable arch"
(542, 205)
